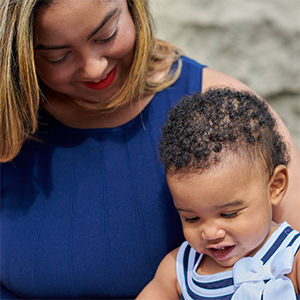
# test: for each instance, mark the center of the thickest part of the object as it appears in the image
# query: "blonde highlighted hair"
(20, 94)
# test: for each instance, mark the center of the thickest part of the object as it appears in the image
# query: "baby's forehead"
(233, 161)
(212, 189)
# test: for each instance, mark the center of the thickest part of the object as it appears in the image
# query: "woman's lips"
(221, 253)
(104, 83)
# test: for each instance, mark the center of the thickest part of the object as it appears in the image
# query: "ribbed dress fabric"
(86, 213)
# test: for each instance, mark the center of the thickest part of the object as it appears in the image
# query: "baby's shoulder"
(296, 270)
(294, 275)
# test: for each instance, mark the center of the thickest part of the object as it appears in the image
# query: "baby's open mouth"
(221, 253)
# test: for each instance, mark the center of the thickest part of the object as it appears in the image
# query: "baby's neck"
(208, 266)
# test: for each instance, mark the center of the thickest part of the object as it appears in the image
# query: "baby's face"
(226, 212)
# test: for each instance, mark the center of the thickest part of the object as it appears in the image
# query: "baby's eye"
(191, 220)
(229, 215)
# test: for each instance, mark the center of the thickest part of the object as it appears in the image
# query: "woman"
(86, 212)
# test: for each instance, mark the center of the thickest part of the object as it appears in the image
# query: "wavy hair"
(203, 129)
(20, 94)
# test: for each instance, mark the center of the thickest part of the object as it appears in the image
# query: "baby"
(226, 167)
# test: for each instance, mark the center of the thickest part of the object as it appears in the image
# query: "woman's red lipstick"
(104, 83)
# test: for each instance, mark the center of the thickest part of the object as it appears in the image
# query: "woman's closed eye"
(100, 41)
(106, 40)
(58, 61)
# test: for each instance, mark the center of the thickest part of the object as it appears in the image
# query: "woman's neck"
(68, 112)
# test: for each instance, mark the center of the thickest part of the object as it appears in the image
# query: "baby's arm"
(164, 285)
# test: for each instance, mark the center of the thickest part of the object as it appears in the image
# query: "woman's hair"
(20, 93)
(203, 129)
(19, 90)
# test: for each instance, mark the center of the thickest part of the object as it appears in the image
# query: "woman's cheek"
(56, 76)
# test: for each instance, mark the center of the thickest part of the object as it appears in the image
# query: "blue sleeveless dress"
(87, 212)
(222, 286)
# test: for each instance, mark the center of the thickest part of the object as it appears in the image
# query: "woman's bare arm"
(164, 284)
(289, 208)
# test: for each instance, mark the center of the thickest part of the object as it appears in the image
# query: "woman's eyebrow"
(46, 47)
(105, 20)
(56, 47)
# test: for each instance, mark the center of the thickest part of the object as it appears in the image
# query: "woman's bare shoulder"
(215, 78)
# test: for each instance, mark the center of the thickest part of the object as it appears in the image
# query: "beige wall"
(255, 41)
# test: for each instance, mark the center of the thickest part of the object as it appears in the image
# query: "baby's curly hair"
(202, 128)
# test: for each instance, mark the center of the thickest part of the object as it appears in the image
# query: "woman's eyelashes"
(102, 41)
(59, 61)
(97, 41)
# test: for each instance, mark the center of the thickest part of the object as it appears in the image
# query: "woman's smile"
(87, 60)
(103, 83)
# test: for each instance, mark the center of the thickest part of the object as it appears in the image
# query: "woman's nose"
(93, 67)
(212, 232)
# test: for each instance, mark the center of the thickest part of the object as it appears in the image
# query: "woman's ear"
(278, 184)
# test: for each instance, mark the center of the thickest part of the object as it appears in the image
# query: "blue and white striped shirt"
(220, 286)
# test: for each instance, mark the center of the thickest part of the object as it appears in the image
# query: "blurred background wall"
(255, 41)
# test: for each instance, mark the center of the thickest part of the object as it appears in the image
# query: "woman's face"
(84, 48)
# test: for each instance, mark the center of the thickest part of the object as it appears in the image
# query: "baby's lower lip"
(222, 253)
(107, 81)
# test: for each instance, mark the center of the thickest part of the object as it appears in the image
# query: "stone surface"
(257, 42)
(288, 108)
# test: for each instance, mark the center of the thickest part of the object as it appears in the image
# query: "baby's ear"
(278, 184)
